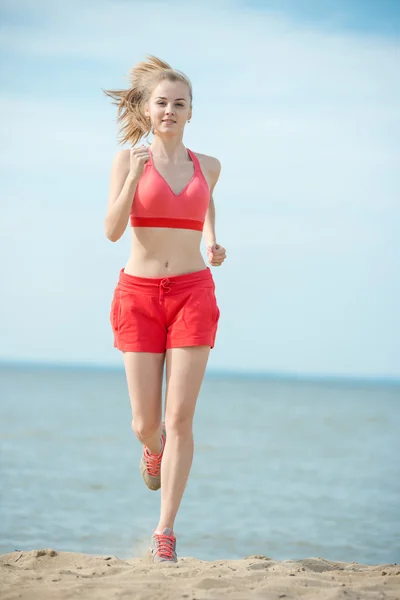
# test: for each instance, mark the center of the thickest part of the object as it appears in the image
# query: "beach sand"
(51, 575)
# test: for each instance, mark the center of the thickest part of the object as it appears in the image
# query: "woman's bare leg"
(144, 373)
(185, 372)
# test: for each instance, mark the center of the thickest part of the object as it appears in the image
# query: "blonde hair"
(144, 77)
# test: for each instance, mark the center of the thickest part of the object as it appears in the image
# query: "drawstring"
(165, 287)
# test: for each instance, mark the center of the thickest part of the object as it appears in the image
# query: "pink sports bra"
(156, 205)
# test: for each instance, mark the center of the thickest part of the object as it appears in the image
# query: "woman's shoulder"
(210, 163)
(121, 160)
(122, 156)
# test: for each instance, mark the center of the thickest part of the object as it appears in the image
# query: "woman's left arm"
(216, 254)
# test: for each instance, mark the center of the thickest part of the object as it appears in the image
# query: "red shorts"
(152, 315)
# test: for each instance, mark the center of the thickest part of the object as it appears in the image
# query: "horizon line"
(245, 374)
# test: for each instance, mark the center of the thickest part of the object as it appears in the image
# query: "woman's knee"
(179, 425)
(145, 429)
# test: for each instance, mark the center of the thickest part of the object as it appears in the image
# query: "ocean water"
(285, 468)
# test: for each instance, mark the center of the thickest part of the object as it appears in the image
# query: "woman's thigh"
(185, 373)
(144, 374)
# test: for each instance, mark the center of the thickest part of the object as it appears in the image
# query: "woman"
(164, 306)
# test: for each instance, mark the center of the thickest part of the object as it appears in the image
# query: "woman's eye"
(162, 103)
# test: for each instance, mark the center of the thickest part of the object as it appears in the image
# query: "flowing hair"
(144, 77)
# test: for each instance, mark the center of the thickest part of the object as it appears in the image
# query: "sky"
(299, 100)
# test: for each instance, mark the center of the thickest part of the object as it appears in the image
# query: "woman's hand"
(216, 255)
(138, 158)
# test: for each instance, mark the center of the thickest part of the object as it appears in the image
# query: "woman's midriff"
(163, 252)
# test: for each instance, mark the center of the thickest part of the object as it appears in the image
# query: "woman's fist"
(216, 255)
(138, 158)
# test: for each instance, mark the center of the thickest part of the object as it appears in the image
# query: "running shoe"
(150, 464)
(162, 548)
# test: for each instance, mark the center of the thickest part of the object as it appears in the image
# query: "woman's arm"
(209, 222)
(209, 225)
(122, 191)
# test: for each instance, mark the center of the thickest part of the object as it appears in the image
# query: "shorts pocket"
(115, 311)
(214, 310)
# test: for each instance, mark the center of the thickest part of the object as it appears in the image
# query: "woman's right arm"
(122, 190)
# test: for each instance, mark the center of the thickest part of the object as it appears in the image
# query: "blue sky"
(299, 101)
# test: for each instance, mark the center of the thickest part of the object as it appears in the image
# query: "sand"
(52, 575)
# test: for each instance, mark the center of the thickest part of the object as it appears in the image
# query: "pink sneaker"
(163, 544)
(150, 464)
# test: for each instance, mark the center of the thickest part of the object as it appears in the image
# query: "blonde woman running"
(164, 307)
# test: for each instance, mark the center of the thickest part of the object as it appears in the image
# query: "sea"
(284, 467)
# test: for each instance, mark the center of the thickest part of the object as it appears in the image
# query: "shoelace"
(153, 462)
(165, 545)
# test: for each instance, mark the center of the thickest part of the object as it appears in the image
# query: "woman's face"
(169, 107)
